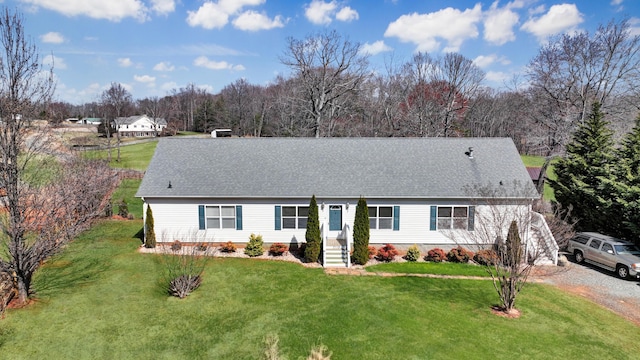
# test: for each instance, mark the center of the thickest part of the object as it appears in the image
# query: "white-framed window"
(453, 217)
(381, 217)
(294, 217)
(220, 216)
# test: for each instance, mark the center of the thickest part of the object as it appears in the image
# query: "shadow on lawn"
(60, 274)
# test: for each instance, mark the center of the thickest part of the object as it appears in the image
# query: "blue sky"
(153, 46)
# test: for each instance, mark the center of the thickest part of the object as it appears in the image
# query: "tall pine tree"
(312, 235)
(361, 233)
(583, 172)
(627, 187)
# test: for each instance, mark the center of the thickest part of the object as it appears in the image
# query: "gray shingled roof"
(334, 167)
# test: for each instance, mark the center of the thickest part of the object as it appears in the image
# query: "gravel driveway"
(598, 285)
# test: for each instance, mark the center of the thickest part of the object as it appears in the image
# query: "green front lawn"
(443, 268)
(102, 299)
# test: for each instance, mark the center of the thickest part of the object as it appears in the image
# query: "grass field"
(136, 156)
(102, 299)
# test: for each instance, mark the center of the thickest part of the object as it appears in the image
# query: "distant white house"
(139, 126)
(419, 191)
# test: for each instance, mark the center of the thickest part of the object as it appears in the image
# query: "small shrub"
(201, 247)
(130, 216)
(277, 249)
(228, 247)
(485, 257)
(413, 253)
(459, 255)
(176, 245)
(123, 209)
(387, 253)
(435, 255)
(255, 246)
(372, 251)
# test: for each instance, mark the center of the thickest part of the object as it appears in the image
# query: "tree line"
(333, 91)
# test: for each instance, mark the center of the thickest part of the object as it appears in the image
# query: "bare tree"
(329, 67)
(116, 101)
(45, 206)
(512, 238)
(574, 70)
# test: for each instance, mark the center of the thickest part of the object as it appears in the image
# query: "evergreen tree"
(150, 235)
(627, 187)
(312, 235)
(361, 233)
(583, 171)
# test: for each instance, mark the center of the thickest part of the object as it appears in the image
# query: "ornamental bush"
(413, 253)
(372, 251)
(150, 235)
(361, 233)
(312, 234)
(176, 245)
(255, 246)
(228, 247)
(486, 257)
(459, 255)
(387, 253)
(435, 255)
(277, 249)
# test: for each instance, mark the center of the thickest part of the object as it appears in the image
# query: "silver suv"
(607, 252)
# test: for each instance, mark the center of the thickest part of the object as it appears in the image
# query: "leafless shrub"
(184, 265)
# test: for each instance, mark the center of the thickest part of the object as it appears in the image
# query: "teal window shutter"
(396, 218)
(472, 213)
(238, 217)
(434, 218)
(278, 217)
(201, 221)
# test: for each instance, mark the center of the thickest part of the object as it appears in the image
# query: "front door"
(335, 217)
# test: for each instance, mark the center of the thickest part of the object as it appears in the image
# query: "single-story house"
(433, 192)
(140, 125)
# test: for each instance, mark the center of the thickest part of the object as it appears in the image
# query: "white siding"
(177, 219)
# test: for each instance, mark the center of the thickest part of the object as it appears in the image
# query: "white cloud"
(203, 61)
(164, 66)
(97, 9)
(347, 14)
(211, 15)
(52, 38)
(254, 21)
(57, 62)
(497, 76)
(484, 61)
(558, 19)
(144, 78)
(125, 62)
(499, 23)
(375, 48)
(320, 12)
(424, 30)
(163, 7)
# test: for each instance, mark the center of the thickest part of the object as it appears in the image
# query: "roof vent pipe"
(469, 153)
